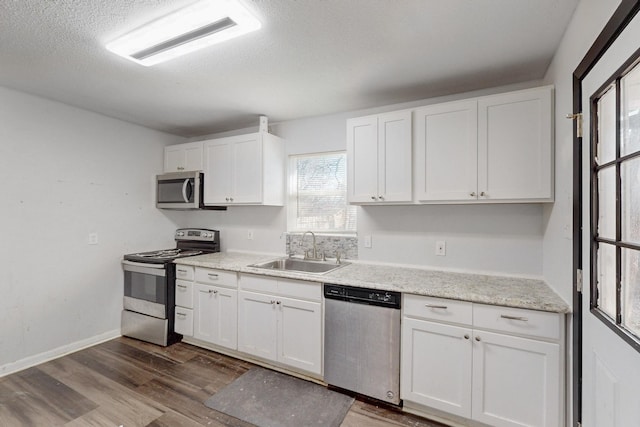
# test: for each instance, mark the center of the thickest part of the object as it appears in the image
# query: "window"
(318, 194)
(615, 205)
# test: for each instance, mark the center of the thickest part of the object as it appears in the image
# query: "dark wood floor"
(125, 382)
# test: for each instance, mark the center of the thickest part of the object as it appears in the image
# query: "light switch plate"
(441, 248)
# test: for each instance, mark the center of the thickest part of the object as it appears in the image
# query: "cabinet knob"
(381, 197)
(466, 336)
(478, 339)
(278, 302)
(373, 197)
(273, 302)
(483, 194)
(472, 194)
(231, 199)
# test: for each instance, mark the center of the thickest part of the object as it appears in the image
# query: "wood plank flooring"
(125, 382)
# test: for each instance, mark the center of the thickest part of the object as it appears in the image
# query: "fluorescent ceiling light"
(186, 30)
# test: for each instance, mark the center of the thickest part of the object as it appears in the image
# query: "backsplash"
(346, 245)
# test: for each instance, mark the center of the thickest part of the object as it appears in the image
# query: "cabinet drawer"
(300, 289)
(258, 283)
(184, 321)
(518, 321)
(217, 277)
(184, 294)
(184, 272)
(439, 309)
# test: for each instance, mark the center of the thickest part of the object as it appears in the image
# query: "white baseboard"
(28, 362)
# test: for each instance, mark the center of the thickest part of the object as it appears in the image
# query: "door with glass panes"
(611, 235)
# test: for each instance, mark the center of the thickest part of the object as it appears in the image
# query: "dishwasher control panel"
(353, 294)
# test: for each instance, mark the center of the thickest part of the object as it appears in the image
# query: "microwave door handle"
(185, 184)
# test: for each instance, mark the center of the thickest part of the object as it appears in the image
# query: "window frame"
(292, 178)
(615, 324)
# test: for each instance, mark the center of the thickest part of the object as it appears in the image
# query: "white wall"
(65, 173)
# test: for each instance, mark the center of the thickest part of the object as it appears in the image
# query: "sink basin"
(301, 265)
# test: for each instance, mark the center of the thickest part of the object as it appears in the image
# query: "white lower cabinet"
(207, 307)
(281, 320)
(511, 375)
(215, 315)
(436, 366)
(516, 381)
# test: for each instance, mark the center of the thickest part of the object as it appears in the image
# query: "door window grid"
(615, 284)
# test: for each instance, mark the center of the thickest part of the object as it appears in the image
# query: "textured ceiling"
(311, 57)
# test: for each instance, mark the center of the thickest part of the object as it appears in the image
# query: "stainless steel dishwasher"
(362, 341)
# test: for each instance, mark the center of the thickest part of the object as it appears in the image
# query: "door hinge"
(579, 280)
(578, 118)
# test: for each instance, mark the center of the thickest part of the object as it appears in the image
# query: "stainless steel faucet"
(315, 249)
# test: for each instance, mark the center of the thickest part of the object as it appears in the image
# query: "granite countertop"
(497, 290)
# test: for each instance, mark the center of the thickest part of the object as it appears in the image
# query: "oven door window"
(145, 286)
(176, 191)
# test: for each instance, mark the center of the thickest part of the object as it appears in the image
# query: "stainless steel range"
(149, 286)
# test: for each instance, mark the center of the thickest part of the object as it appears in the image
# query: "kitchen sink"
(301, 265)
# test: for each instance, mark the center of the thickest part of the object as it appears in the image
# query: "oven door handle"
(144, 268)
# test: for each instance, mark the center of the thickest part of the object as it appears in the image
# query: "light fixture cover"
(197, 26)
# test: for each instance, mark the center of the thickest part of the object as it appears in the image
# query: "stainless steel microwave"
(180, 190)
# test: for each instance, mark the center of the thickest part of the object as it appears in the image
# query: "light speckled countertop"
(497, 290)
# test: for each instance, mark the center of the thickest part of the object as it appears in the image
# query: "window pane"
(630, 87)
(630, 177)
(606, 151)
(631, 290)
(319, 193)
(607, 279)
(607, 203)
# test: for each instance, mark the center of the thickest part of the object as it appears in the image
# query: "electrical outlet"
(367, 241)
(93, 238)
(249, 234)
(441, 248)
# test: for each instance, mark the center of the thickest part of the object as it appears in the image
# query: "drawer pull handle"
(443, 307)
(522, 319)
(182, 286)
(213, 276)
(182, 314)
(182, 271)
(211, 291)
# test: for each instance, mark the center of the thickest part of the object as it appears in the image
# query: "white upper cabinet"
(446, 152)
(515, 146)
(246, 169)
(496, 148)
(379, 158)
(183, 157)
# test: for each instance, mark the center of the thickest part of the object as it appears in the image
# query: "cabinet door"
(516, 381)
(193, 157)
(217, 173)
(446, 151)
(227, 321)
(257, 324)
(515, 144)
(183, 157)
(362, 159)
(436, 366)
(394, 160)
(206, 313)
(174, 159)
(300, 334)
(246, 170)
